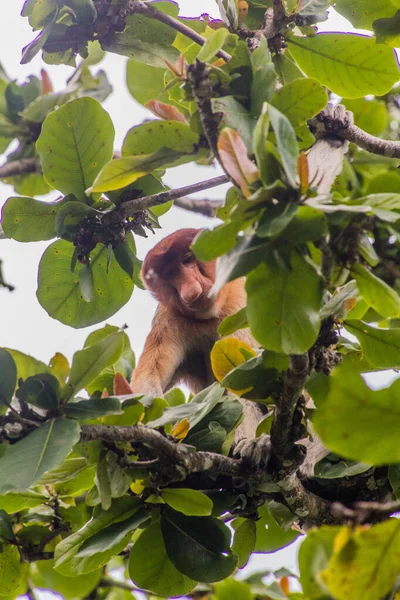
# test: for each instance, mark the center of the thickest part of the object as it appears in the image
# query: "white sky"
(24, 325)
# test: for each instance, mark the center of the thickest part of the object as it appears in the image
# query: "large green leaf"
(350, 65)
(8, 378)
(45, 448)
(300, 100)
(362, 13)
(314, 555)
(236, 117)
(381, 347)
(76, 141)
(359, 423)
(121, 172)
(146, 83)
(89, 362)
(191, 503)
(10, 569)
(153, 54)
(66, 561)
(44, 576)
(376, 293)
(366, 565)
(153, 135)
(29, 220)
(269, 535)
(283, 305)
(151, 569)
(59, 291)
(199, 547)
(210, 244)
(286, 143)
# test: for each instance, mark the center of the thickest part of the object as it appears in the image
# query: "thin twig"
(143, 8)
(129, 208)
(370, 142)
(362, 512)
(202, 206)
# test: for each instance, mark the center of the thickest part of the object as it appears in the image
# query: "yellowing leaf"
(137, 486)
(228, 354)
(233, 155)
(181, 429)
(59, 367)
(165, 111)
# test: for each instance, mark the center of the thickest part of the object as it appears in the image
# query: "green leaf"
(112, 535)
(70, 588)
(86, 282)
(25, 461)
(93, 408)
(381, 347)
(233, 322)
(6, 530)
(8, 378)
(120, 172)
(366, 566)
(69, 469)
(244, 541)
(333, 468)
(66, 561)
(151, 569)
(362, 14)
(351, 65)
(269, 535)
(29, 220)
(152, 54)
(276, 218)
(376, 293)
(232, 588)
(13, 503)
(10, 569)
(300, 100)
(336, 305)
(40, 390)
(286, 143)
(358, 423)
(370, 115)
(189, 502)
(59, 292)
(146, 83)
(264, 77)
(283, 305)
(89, 362)
(211, 243)
(213, 45)
(199, 547)
(27, 365)
(194, 411)
(153, 135)
(308, 225)
(314, 555)
(76, 139)
(236, 117)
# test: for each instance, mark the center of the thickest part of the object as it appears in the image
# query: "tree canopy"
(96, 481)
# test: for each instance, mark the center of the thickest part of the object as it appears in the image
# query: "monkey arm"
(162, 354)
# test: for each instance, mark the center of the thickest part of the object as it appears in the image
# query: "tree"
(94, 478)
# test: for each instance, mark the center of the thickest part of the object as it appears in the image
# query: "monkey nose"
(191, 292)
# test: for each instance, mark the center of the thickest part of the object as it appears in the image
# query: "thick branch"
(145, 9)
(365, 512)
(129, 208)
(282, 439)
(370, 142)
(169, 453)
(310, 509)
(23, 166)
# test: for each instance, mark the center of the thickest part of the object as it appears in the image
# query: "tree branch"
(130, 207)
(365, 512)
(143, 8)
(202, 206)
(369, 142)
(282, 438)
(310, 509)
(22, 166)
(171, 455)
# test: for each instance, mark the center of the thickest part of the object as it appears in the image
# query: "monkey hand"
(254, 453)
(330, 121)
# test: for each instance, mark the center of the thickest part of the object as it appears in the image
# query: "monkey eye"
(187, 258)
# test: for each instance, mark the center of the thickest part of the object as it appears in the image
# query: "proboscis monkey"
(185, 325)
